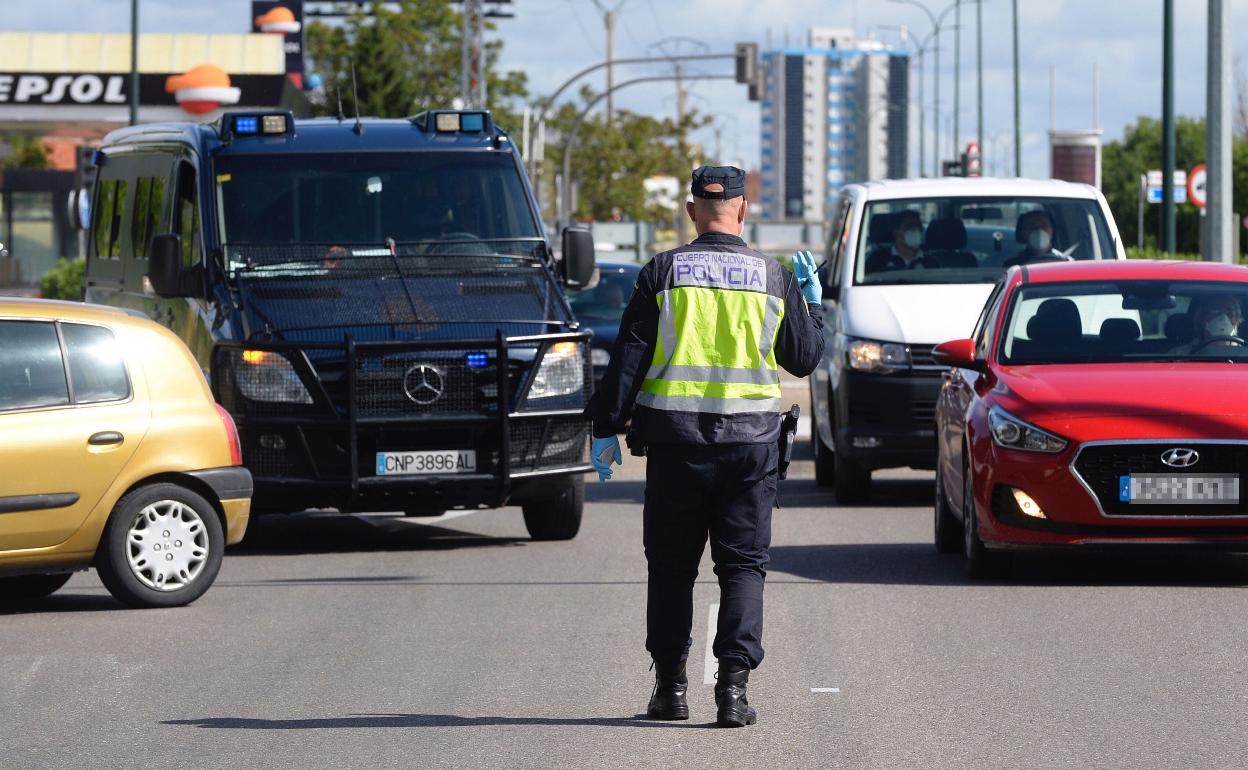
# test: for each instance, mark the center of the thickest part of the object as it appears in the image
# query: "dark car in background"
(601, 307)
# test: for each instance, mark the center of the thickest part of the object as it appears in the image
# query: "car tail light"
(231, 431)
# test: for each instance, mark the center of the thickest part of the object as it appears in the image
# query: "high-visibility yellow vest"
(718, 324)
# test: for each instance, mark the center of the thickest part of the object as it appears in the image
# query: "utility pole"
(1018, 131)
(134, 62)
(1167, 129)
(681, 219)
(979, 75)
(957, 73)
(608, 20)
(610, 23)
(471, 75)
(1219, 245)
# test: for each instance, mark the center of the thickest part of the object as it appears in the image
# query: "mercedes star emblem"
(424, 384)
(1180, 457)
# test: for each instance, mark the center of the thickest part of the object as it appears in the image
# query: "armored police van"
(374, 301)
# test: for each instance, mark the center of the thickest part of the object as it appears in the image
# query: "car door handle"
(106, 438)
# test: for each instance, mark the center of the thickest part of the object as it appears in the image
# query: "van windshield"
(447, 202)
(973, 240)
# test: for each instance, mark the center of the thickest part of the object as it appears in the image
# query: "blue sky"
(552, 39)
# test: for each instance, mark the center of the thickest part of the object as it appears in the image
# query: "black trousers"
(726, 493)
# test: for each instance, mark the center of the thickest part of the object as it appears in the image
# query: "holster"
(635, 447)
(788, 437)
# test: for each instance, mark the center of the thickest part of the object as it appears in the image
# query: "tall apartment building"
(834, 112)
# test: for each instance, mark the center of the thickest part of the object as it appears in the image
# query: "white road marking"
(803, 427)
(710, 665)
(825, 689)
(794, 384)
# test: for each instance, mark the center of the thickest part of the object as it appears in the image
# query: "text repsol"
(79, 89)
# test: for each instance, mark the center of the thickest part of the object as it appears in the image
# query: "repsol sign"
(63, 89)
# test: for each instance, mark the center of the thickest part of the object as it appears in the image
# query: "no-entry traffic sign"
(1196, 192)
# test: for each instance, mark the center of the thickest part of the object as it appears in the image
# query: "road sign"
(1196, 186)
(1152, 190)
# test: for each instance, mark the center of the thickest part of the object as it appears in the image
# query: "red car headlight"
(1012, 433)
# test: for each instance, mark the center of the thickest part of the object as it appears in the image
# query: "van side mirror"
(959, 354)
(578, 256)
(169, 278)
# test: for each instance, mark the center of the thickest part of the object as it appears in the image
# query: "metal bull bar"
(325, 412)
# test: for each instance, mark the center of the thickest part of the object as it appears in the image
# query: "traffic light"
(749, 73)
(747, 62)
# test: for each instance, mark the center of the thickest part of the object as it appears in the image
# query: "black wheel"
(162, 547)
(825, 473)
(948, 530)
(558, 518)
(24, 588)
(851, 481)
(980, 562)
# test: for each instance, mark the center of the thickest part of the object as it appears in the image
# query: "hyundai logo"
(424, 384)
(1180, 458)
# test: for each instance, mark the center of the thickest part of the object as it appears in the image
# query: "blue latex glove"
(603, 452)
(807, 278)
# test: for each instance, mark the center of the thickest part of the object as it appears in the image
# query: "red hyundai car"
(1096, 403)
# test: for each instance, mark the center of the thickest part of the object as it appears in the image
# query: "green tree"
(406, 60)
(24, 152)
(609, 164)
(1139, 151)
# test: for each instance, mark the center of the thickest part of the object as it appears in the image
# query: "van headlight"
(1012, 433)
(561, 373)
(262, 375)
(880, 357)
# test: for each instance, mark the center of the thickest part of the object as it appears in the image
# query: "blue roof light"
(246, 124)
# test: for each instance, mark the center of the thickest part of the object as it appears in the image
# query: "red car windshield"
(1128, 321)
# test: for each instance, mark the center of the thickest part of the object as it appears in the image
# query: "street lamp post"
(937, 21)
(919, 50)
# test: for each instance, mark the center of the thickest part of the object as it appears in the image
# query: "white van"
(891, 295)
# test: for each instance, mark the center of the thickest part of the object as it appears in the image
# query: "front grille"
(924, 413)
(921, 355)
(1101, 466)
(382, 382)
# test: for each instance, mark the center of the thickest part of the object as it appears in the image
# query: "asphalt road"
(334, 641)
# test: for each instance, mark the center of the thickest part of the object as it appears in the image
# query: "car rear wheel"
(557, 518)
(162, 547)
(948, 530)
(980, 562)
(24, 588)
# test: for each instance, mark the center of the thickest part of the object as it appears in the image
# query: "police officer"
(696, 368)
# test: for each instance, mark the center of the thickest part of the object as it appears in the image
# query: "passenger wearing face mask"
(906, 251)
(1216, 320)
(1035, 231)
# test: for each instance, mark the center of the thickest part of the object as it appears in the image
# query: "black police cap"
(731, 177)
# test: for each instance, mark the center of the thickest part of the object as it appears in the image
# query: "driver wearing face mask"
(906, 251)
(1216, 320)
(1035, 231)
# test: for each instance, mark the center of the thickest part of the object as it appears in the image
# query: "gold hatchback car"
(112, 455)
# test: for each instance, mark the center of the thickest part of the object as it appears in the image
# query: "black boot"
(734, 709)
(668, 699)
